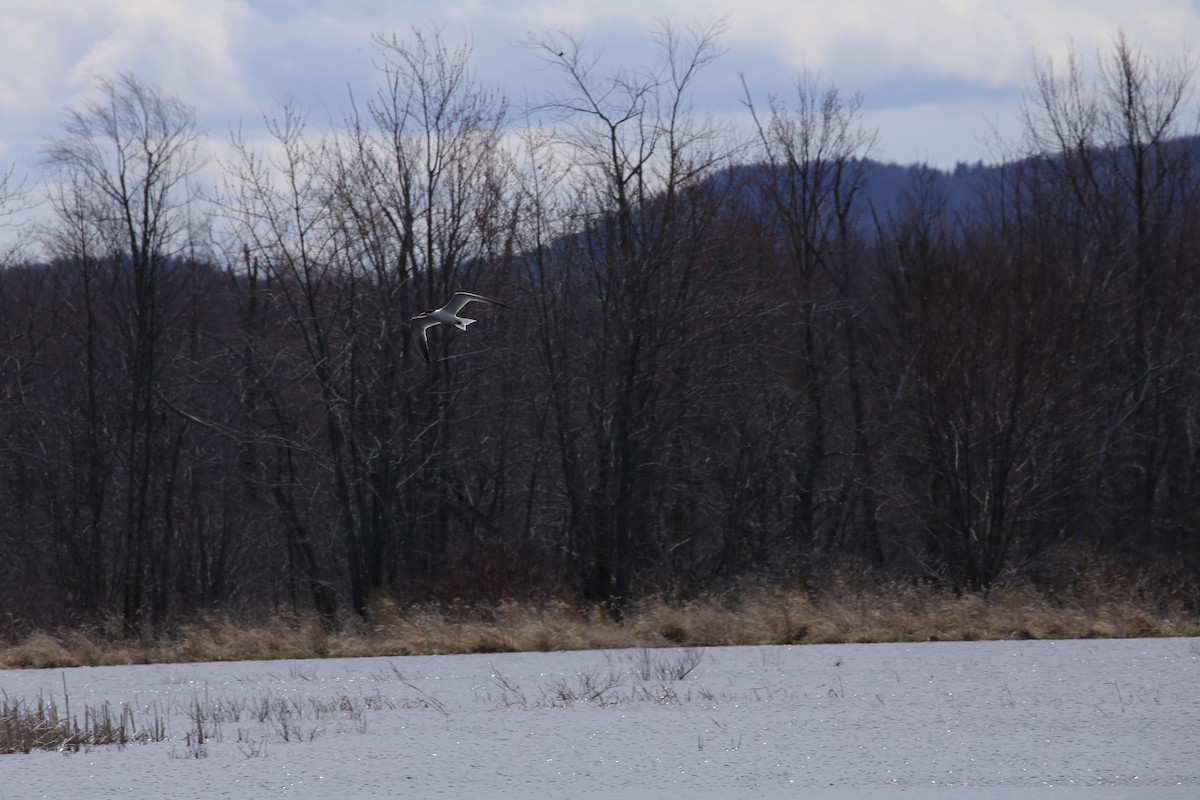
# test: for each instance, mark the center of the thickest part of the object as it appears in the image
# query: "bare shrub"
(649, 666)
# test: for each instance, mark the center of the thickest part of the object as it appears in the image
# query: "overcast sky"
(936, 76)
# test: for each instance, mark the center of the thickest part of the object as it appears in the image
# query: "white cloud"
(957, 60)
(993, 44)
(182, 47)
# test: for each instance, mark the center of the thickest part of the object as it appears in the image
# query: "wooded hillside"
(728, 357)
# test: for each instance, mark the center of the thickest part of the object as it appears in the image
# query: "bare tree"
(280, 211)
(15, 199)
(422, 190)
(1116, 148)
(123, 164)
(815, 155)
(638, 155)
(358, 230)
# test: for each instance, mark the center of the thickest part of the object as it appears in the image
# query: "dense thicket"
(726, 359)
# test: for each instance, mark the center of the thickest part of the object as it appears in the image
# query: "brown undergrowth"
(837, 613)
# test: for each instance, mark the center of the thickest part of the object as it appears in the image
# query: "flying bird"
(447, 314)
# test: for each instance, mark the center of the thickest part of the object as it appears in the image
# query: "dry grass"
(38, 725)
(839, 612)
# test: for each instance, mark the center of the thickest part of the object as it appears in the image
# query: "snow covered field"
(1066, 719)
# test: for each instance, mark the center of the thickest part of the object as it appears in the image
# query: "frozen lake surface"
(1045, 719)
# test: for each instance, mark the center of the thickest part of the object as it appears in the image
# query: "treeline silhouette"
(727, 359)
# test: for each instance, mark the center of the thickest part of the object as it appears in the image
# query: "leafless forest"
(724, 361)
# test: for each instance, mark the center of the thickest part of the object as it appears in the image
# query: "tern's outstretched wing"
(460, 299)
(418, 325)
